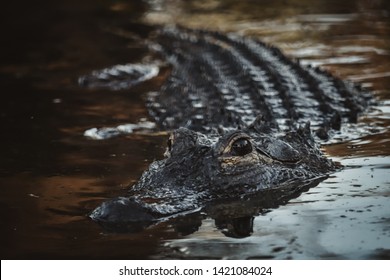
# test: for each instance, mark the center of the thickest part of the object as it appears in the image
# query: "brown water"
(52, 176)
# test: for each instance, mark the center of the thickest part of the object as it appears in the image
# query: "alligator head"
(199, 169)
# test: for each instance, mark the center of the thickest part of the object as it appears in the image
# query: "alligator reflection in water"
(233, 217)
(241, 142)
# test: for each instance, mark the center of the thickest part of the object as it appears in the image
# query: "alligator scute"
(242, 116)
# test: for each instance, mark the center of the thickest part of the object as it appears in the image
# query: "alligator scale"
(244, 120)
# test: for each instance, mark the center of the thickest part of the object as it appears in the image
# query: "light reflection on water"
(346, 216)
(50, 185)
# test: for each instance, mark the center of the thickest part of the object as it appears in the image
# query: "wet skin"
(198, 170)
(240, 112)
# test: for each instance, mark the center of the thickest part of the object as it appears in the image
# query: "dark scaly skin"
(227, 81)
(239, 113)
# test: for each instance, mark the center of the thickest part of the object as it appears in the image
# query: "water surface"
(52, 176)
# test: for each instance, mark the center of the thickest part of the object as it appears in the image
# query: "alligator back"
(227, 81)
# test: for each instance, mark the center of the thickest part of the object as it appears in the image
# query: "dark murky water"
(52, 176)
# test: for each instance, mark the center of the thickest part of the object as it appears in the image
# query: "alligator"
(245, 120)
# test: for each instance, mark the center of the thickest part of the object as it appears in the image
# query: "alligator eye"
(241, 147)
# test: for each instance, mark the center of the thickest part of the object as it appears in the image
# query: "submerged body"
(240, 112)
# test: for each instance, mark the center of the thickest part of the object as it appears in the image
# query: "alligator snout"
(122, 214)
